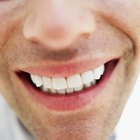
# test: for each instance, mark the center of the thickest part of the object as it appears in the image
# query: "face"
(67, 67)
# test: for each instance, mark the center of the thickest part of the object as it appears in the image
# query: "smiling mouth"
(67, 93)
(70, 84)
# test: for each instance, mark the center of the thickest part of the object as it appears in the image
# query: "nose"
(58, 23)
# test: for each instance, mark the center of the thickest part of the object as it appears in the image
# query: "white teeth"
(53, 91)
(78, 88)
(59, 83)
(69, 84)
(32, 78)
(87, 77)
(47, 82)
(61, 91)
(36, 80)
(45, 89)
(98, 72)
(74, 81)
(69, 90)
(87, 85)
(93, 82)
(102, 69)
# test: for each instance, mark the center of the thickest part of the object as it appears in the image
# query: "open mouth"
(68, 93)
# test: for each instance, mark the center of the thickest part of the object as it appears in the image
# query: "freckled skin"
(31, 31)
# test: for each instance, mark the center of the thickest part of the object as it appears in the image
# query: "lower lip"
(72, 101)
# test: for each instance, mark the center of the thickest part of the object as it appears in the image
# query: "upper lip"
(65, 69)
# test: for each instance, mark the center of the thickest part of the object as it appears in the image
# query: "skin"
(31, 29)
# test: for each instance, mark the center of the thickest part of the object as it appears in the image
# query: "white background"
(129, 125)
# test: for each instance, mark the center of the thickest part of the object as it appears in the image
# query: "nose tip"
(58, 27)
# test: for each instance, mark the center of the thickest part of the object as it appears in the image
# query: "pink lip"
(66, 69)
(71, 101)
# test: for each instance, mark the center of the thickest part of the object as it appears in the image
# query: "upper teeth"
(69, 84)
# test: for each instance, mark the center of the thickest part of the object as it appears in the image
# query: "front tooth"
(36, 80)
(78, 88)
(47, 82)
(74, 81)
(87, 77)
(98, 72)
(69, 90)
(61, 91)
(59, 83)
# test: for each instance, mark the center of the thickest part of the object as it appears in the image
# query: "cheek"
(3, 35)
(11, 15)
(6, 31)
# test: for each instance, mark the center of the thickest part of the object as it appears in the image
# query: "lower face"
(89, 113)
(93, 119)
